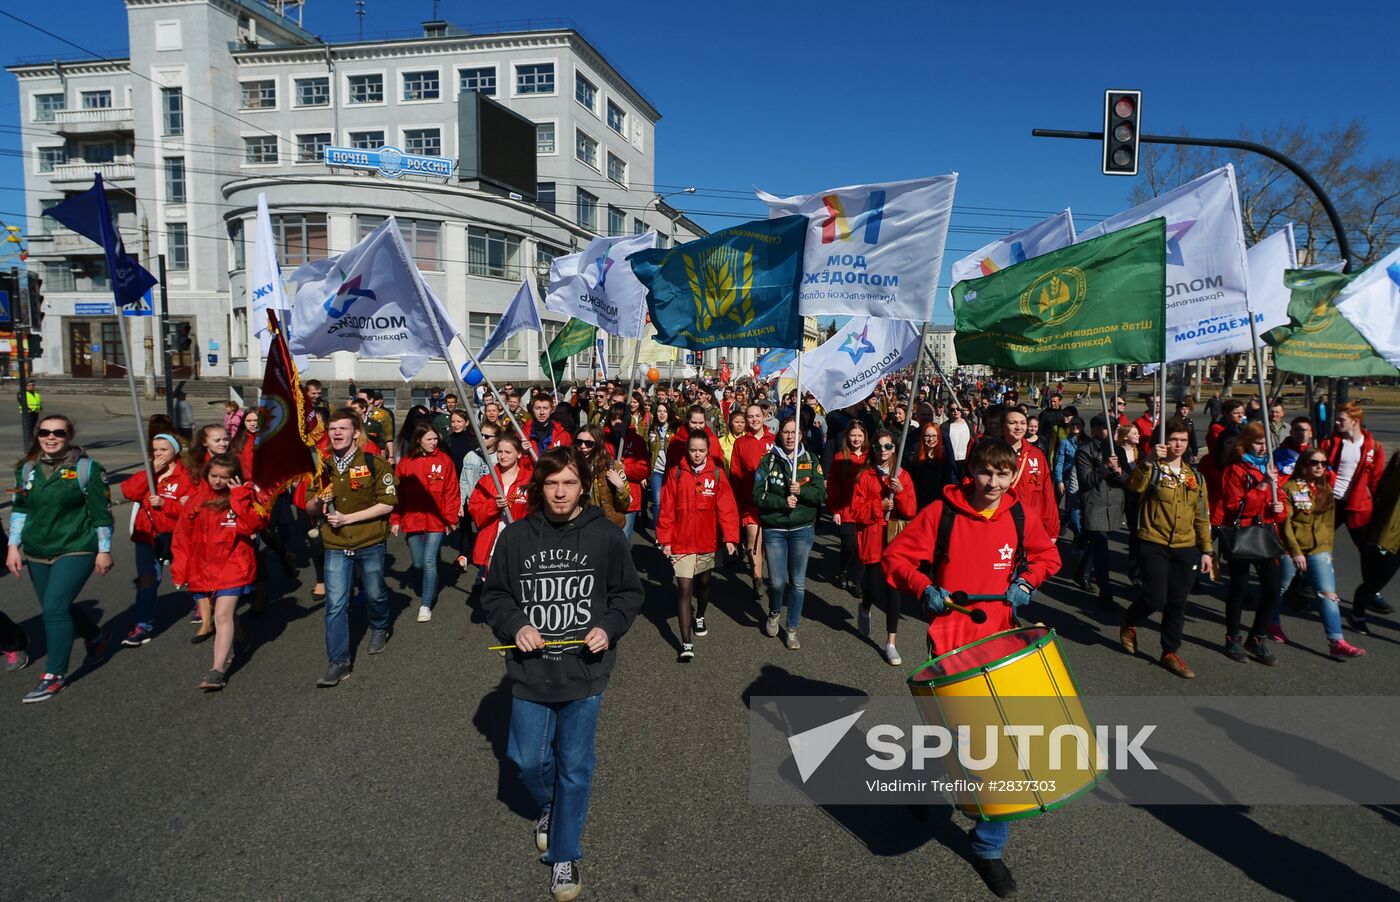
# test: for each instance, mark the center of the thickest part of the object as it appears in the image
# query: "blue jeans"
(628, 525)
(552, 744)
(1322, 575)
(787, 551)
(146, 566)
(426, 548)
(341, 565)
(657, 479)
(989, 838)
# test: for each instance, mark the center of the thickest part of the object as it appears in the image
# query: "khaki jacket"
(1174, 510)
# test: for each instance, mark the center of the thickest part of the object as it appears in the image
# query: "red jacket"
(697, 512)
(245, 460)
(980, 560)
(636, 464)
(1147, 433)
(1243, 481)
(743, 464)
(173, 485)
(1214, 475)
(559, 436)
(213, 549)
(841, 482)
(1361, 491)
(482, 507)
(675, 451)
(1035, 486)
(429, 497)
(868, 512)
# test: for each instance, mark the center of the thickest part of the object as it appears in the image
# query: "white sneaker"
(425, 613)
(892, 655)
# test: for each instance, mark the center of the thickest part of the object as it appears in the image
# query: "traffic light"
(36, 315)
(1122, 116)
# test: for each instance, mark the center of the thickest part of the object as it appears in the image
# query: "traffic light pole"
(165, 343)
(1343, 246)
(19, 326)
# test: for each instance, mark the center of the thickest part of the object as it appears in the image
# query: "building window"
(617, 119)
(537, 78)
(617, 169)
(175, 180)
(586, 93)
(482, 81)
(259, 149)
(427, 141)
(638, 227)
(177, 246)
(544, 195)
(479, 328)
(422, 85)
(586, 149)
(49, 157)
(102, 152)
(366, 140)
(313, 91)
(423, 237)
(47, 224)
(587, 210)
(617, 222)
(544, 137)
(492, 254)
(367, 88)
(238, 253)
(59, 277)
(45, 105)
(299, 237)
(311, 147)
(172, 108)
(259, 95)
(239, 338)
(96, 100)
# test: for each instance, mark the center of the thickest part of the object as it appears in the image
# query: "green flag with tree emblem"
(1318, 340)
(1091, 304)
(576, 336)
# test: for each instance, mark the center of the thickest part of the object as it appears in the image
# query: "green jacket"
(1173, 512)
(1385, 524)
(770, 491)
(59, 517)
(368, 481)
(1306, 531)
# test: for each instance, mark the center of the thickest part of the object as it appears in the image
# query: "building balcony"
(83, 172)
(103, 120)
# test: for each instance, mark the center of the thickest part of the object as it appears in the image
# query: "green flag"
(576, 336)
(1090, 304)
(1319, 341)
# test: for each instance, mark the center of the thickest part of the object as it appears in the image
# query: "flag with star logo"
(1320, 340)
(849, 365)
(1207, 274)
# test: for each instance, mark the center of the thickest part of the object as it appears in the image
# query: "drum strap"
(945, 533)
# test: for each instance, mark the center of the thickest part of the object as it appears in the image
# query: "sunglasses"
(56, 433)
(1317, 463)
(585, 443)
(886, 446)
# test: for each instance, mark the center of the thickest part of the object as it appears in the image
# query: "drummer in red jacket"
(990, 546)
(428, 509)
(697, 513)
(1032, 482)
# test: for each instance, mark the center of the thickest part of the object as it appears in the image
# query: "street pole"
(165, 345)
(150, 341)
(19, 319)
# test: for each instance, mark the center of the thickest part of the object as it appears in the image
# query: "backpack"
(945, 532)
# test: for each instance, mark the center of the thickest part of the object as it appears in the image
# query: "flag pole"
(797, 404)
(1111, 423)
(1258, 352)
(627, 403)
(491, 385)
(142, 440)
(1162, 409)
(913, 393)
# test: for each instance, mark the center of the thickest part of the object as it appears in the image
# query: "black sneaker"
(377, 640)
(98, 649)
(542, 831)
(565, 882)
(1358, 625)
(1381, 606)
(1258, 648)
(700, 627)
(997, 876)
(687, 653)
(1234, 650)
(334, 674)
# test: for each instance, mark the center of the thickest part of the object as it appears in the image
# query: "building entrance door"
(80, 349)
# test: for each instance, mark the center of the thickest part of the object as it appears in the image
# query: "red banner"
(285, 449)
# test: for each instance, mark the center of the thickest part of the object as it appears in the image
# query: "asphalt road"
(134, 785)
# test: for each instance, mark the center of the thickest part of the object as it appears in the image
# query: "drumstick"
(555, 642)
(977, 614)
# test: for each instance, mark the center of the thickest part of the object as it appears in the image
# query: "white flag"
(599, 287)
(1268, 296)
(370, 300)
(1207, 277)
(265, 279)
(520, 315)
(1045, 236)
(848, 366)
(1371, 303)
(873, 250)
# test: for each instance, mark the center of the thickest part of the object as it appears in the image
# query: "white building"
(220, 100)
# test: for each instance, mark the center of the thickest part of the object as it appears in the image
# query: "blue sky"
(796, 97)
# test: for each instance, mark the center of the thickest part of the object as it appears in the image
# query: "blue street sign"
(97, 347)
(93, 308)
(4, 306)
(390, 162)
(143, 307)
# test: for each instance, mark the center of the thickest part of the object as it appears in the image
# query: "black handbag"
(161, 545)
(1259, 542)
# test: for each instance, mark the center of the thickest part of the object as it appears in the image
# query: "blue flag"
(736, 288)
(89, 216)
(521, 314)
(775, 361)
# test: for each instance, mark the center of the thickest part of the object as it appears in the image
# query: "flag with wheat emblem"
(1099, 302)
(735, 288)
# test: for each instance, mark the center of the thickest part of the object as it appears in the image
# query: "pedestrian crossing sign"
(142, 307)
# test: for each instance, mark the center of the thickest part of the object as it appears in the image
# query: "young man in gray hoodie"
(564, 576)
